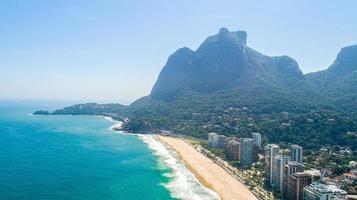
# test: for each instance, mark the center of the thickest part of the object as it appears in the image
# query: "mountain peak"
(224, 35)
(222, 61)
(346, 61)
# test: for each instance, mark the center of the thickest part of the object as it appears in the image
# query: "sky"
(112, 50)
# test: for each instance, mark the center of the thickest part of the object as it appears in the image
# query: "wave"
(183, 184)
(107, 118)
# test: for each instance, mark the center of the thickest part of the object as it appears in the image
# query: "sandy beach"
(209, 174)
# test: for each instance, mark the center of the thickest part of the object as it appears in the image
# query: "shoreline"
(207, 172)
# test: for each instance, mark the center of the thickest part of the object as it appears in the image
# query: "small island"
(41, 112)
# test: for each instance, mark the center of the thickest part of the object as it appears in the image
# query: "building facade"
(246, 151)
(257, 143)
(296, 185)
(232, 149)
(271, 150)
(257, 139)
(291, 168)
(278, 171)
(318, 191)
(216, 141)
(296, 153)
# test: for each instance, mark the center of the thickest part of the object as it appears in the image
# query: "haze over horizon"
(114, 51)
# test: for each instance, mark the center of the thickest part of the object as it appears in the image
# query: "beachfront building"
(231, 148)
(291, 168)
(257, 139)
(271, 150)
(215, 140)
(296, 153)
(246, 151)
(278, 171)
(296, 185)
(257, 143)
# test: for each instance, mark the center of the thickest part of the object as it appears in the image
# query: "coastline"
(207, 172)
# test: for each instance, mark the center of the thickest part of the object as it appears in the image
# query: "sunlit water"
(79, 157)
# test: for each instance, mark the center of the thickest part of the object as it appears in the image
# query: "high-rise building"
(231, 148)
(257, 139)
(296, 153)
(296, 185)
(246, 151)
(291, 168)
(318, 191)
(257, 143)
(215, 140)
(271, 150)
(278, 171)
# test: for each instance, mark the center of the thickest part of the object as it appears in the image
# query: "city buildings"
(215, 140)
(278, 171)
(246, 151)
(291, 168)
(271, 150)
(257, 143)
(296, 185)
(318, 191)
(296, 153)
(257, 139)
(232, 148)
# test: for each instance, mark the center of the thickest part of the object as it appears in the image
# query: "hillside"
(338, 83)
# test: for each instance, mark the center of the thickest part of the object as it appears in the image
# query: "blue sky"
(113, 51)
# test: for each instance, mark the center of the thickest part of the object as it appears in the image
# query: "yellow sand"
(208, 173)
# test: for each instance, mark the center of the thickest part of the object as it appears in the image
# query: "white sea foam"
(116, 124)
(107, 118)
(183, 184)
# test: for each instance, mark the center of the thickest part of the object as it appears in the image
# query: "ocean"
(81, 158)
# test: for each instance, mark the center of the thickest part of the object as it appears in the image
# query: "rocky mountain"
(223, 61)
(338, 83)
(346, 61)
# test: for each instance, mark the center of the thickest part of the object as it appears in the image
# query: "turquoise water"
(75, 157)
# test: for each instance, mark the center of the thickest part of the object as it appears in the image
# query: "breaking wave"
(183, 184)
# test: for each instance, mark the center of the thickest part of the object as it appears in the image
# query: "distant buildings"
(296, 185)
(246, 151)
(257, 144)
(296, 153)
(231, 149)
(286, 174)
(215, 140)
(318, 191)
(291, 168)
(257, 139)
(278, 171)
(271, 150)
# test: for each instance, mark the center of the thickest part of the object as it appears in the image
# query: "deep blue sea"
(80, 158)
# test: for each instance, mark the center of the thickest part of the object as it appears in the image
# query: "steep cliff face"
(346, 61)
(337, 85)
(222, 61)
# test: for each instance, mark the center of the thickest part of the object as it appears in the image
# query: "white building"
(246, 151)
(215, 140)
(257, 139)
(320, 191)
(271, 150)
(278, 171)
